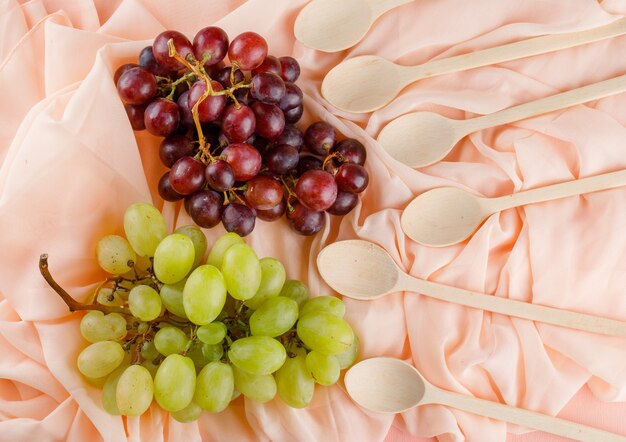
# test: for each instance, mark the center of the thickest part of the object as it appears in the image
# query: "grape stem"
(71, 303)
(330, 157)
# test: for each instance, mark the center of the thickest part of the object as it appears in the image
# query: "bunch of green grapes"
(195, 334)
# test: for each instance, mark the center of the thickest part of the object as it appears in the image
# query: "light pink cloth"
(70, 164)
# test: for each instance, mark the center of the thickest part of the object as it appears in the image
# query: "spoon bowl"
(421, 138)
(443, 216)
(342, 25)
(343, 86)
(385, 385)
(358, 269)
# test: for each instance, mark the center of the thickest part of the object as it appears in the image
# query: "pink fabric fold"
(70, 164)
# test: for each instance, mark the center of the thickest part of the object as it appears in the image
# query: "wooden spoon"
(332, 25)
(367, 83)
(388, 385)
(447, 215)
(422, 138)
(362, 270)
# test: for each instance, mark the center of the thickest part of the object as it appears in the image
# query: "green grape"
(223, 243)
(212, 333)
(188, 414)
(197, 356)
(96, 326)
(106, 296)
(100, 359)
(145, 228)
(236, 393)
(214, 387)
(324, 368)
(213, 352)
(173, 258)
(151, 367)
(295, 290)
(149, 351)
(242, 271)
(259, 388)
(170, 340)
(113, 253)
(142, 328)
(199, 241)
(349, 357)
(294, 382)
(204, 294)
(172, 297)
(134, 391)
(325, 333)
(274, 317)
(109, 390)
(257, 354)
(175, 382)
(272, 280)
(144, 303)
(328, 304)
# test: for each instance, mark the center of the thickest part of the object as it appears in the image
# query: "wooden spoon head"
(443, 216)
(385, 385)
(419, 139)
(362, 84)
(331, 25)
(358, 269)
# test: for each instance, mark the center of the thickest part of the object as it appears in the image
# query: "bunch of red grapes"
(230, 141)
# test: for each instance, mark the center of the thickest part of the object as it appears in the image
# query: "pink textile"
(70, 164)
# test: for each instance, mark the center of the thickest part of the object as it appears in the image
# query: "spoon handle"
(513, 51)
(562, 190)
(379, 7)
(552, 103)
(512, 307)
(523, 417)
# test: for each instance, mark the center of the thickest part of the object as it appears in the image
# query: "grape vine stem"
(72, 304)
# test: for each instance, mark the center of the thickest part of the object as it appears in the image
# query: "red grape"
(293, 115)
(267, 87)
(248, 50)
(351, 151)
(308, 162)
(316, 189)
(173, 148)
(320, 137)
(161, 117)
(281, 159)
(162, 53)
(135, 114)
(291, 98)
(238, 124)
(270, 120)
(352, 178)
(205, 208)
(186, 117)
(270, 64)
(244, 159)
(263, 192)
(123, 68)
(210, 44)
(345, 202)
(289, 68)
(274, 213)
(149, 63)
(238, 218)
(187, 175)
(219, 175)
(306, 221)
(223, 76)
(291, 135)
(166, 191)
(212, 106)
(136, 86)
